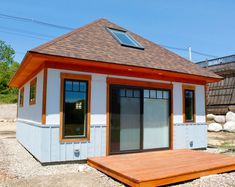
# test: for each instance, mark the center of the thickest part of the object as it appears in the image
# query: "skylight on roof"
(125, 39)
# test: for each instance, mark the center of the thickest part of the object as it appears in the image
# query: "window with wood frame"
(189, 103)
(33, 91)
(21, 97)
(75, 107)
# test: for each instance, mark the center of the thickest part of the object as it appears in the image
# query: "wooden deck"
(162, 167)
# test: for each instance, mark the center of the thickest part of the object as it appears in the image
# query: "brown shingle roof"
(94, 42)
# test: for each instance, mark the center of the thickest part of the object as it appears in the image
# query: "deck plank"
(162, 167)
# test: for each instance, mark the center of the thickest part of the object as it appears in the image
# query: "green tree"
(7, 68)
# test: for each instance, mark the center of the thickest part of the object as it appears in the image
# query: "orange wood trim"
(193, 88)
(146, 84)
(33, 74)
(21, 103)
(172, 120)
(44, 96)
(107, 117)
(59, 62)
(75, 77)
(138, 83)
(25, 62)
(33, 83)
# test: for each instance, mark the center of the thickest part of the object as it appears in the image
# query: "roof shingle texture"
(94, 42)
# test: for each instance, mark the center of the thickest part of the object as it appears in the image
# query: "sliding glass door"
(139, 119)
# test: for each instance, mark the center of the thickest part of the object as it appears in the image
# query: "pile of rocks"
(220, 122)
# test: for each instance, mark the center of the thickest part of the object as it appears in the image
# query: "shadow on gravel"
(7, 132)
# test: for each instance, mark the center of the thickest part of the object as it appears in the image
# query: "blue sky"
(206, 26)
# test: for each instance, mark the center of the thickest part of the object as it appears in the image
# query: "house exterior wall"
(33, 112)
(51, 150)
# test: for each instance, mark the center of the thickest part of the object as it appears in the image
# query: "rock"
(229, 126)
(219, 119)
(215, 127)
(210, 116)
(81, 168)
(230, 116)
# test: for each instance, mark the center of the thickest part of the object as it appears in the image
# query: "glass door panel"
(129, 123)
(125, 113)
(156, 119)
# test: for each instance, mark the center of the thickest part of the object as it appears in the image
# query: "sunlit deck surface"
(162, 167)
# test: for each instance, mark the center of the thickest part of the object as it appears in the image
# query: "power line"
(26, 32)
(31, 20)
(204, 54)
(193, 51)
(42, 36)
(19, 34)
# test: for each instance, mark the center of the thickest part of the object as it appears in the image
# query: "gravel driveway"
(19, 168)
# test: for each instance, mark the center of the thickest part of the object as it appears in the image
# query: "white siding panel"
(177, 103)
(55, 145)
(190, 136)
(200, 104)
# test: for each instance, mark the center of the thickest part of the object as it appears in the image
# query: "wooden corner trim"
(75, 77)
(44, 95)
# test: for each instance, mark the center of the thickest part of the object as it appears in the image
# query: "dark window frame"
(21, 102)
(33, 95)
(192, 89)
(135, 45)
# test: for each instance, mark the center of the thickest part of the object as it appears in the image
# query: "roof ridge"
(40, 47)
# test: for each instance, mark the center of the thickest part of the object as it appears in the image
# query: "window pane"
(156, 123)
(152, 93)
(32, 92)
(122, 93)
(129, 93)
(146, 93)
(165, 94)
(189, 105)
(22, 97)
(159, 94)
(68, 85)
(125, 38)
(83, 86)
(75, 110)
(136, 93)
(75, 86)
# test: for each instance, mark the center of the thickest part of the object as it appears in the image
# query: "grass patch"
(8, 98)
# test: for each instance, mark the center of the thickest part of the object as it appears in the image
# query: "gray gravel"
(19, 168)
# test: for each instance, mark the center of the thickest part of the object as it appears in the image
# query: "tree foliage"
(7, 69)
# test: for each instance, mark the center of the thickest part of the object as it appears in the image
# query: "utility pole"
(190, 53)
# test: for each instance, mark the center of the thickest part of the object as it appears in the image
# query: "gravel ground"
(8, 111)
(19, 168)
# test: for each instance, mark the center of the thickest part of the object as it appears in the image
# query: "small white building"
(102, 90)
